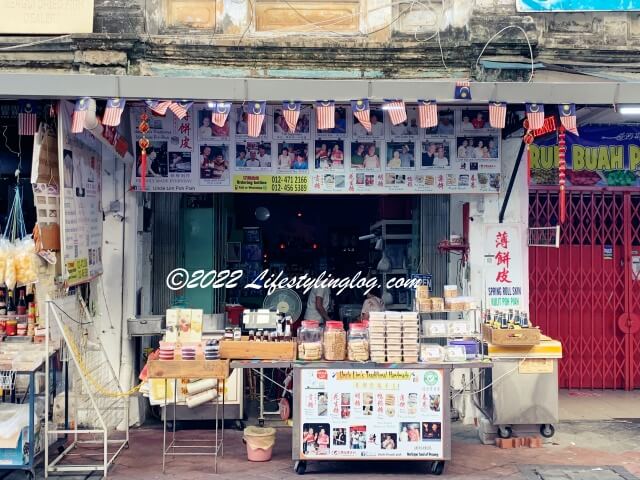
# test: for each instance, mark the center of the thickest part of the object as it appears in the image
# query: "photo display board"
(461, 155)
(373, 413)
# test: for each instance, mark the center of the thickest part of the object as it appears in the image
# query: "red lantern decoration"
(144, 143)
(562, 166)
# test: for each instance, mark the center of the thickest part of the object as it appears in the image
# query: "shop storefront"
(214, 224)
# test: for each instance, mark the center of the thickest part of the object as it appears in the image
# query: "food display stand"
(200, 369)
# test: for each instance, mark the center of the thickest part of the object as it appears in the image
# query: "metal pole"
(512, 180)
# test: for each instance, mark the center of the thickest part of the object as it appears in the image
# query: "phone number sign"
(271, 183)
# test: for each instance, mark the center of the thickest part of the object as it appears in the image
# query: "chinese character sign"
(503, 267)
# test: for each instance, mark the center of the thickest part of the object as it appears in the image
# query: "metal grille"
(434, 226)
(580, 290)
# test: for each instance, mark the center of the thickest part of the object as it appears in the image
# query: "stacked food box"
(394, 336)
(410, 339)
(377, 337)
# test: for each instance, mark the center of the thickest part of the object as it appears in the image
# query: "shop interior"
(308, 234)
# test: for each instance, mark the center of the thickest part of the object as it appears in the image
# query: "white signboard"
(81, 182)
(46, 16)
(374, 413)
(503, 268)
(460, 155)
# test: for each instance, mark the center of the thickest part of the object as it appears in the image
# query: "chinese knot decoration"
(562, 165)
(143, 128)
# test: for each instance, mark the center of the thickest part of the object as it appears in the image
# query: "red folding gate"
(587, 292)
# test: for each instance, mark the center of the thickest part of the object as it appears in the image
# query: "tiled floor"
(590, 433)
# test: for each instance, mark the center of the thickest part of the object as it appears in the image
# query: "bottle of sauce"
(3, 303)
(22, 304)
(11, 305)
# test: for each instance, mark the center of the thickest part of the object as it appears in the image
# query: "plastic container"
(334, 342)
(234, 314)
(310, 341)
(358, 343)
(259, 442)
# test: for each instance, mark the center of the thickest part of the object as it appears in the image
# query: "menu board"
(372, 413)
(460, 155)
(81, 195)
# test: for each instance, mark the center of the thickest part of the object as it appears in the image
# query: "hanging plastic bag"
(10, 268)
(25, 261)
(4, 254)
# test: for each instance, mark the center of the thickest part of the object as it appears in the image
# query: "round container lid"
(357, 326)
(334, 324)
(310, 324)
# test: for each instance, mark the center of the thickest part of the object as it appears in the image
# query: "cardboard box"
(511, 337)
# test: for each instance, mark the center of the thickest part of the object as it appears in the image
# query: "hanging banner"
(503, 268)
(461, 154)
(577, 5)
(602, 156)
(81, 194)
(372, 413)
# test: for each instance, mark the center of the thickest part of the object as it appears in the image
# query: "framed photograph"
(179, 162)
(446, 123)
(253, 156)
(376, 117)
(401, 155)
(293, 156)
(409, 128)
(329, 154)
(157, 160)
(340, 129)
(478, 148)
(207, 130)
(281, 129)
(474, 121)
(214, 164)
(436, 153)
(366, 155)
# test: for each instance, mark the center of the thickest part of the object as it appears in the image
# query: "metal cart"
(347, 400)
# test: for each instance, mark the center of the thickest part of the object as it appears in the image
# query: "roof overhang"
(38, 85)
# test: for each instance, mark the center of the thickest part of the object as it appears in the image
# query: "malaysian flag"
(535, 115)
(219, 112)
(497, 114)
(27, 119)
(180, 109)
(325, 114)
(159, 107)
(291, 113)
(397, 111)
(361, 112)
(113, 112)
(462, 91)
(568, 117)
(79, 115)
(427, 113)
(255, 117)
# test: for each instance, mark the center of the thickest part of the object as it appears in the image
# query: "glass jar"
(310, 341)
(358, 343)
(334, 341)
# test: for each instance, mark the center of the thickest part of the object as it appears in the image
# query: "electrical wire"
(37, 42)
(500, 32)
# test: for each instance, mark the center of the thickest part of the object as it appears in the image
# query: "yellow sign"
(78, 270)
(46, 16)
(271, 183)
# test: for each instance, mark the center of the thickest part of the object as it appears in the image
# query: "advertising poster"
(603, 155)
(461, 154)
(503, 268)
(81, 195)
(576, 5)
(375, 413)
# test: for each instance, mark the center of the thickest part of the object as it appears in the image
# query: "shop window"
(313, 16)
(191, 14)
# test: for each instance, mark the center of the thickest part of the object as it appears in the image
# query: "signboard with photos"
(372, 413)
(460, 155)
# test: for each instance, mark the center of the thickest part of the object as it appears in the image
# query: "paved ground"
(598, 429)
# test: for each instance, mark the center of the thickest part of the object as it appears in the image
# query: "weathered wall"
(333, 38)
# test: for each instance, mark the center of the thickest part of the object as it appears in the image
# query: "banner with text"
(503, 269)
(603, 155)
(576, 5)
(460, 155)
